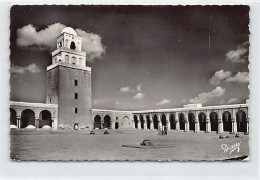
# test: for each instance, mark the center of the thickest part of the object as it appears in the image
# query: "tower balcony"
(58, 50)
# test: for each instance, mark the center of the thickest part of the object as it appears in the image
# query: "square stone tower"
(69, 82)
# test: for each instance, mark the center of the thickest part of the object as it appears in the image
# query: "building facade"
(68, 103)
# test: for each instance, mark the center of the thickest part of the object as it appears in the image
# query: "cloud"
(233, 100)
(163, 102)
(139, 87)
(184, 100)
(126, 89)
(28, 36)
(139, 96)
(91, 43)
(33, 68)
(205, 96)
(46, 39)
(240, 77)
(219, 76)
(238, 55)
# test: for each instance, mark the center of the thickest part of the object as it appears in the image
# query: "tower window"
(76, 82)
(76, 95)
(76, 110)
(72, 45)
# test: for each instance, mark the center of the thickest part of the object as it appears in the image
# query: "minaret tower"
(69, 82)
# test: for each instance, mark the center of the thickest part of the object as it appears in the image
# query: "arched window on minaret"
(67, 58)
(73, 60)
(72, 45)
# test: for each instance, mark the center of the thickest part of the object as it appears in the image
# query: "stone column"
(220, 126)
(18, 122)
(102, 124)
(234, 126)
(159, 121)
(208, 126)
(52, 124)
(168, 124)
(197, 124)
(177, 124)
(138, 123)
(186, 119)
(247, 126)
(145, 124)
(151, 123)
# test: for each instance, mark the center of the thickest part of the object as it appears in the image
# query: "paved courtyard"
(80, 145)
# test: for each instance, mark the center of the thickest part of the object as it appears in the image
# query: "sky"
(142, 57)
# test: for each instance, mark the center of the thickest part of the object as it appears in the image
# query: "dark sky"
(164, 50)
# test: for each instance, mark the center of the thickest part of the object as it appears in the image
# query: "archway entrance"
(116, 125)
(164, 123)
(227, 124)
(97, 122)
(148, 122)
(27, 118)
(13, 120)
(45, 119)
(182, 121)
(214, 121)
(142, 121)
(107, 122)
(155, 121)
(191, 118)
(241, 121)
(202, 121)
(172, 121)
(136, 122)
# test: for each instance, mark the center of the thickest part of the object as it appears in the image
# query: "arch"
(116, 125)
(107, 120)
(72, 45)
(142, 121)
(191, 118)
(164, 122)
(97, 122)
(45, 119)
(241, 121)
(148, 121)
(172, 121)
(182, 121)
(136, 121)
(202, 121)
(213, 121)
(226, 119)
(155, 122)
(67, 58)
(13, 119)
(27, 118)
(74, 60)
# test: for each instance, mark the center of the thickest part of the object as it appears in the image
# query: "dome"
(69, 30)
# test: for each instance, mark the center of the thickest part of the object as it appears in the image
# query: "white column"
(197, 123)
(208, 126)
(159, 121)
(247, 126)
(234, 126)
(186, 119)
(177, 124)
(18, 122)
(151, 124)
(145, 125)
(220, 126)
(139, 123)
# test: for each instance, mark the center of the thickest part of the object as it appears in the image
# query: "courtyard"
(69, 145)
